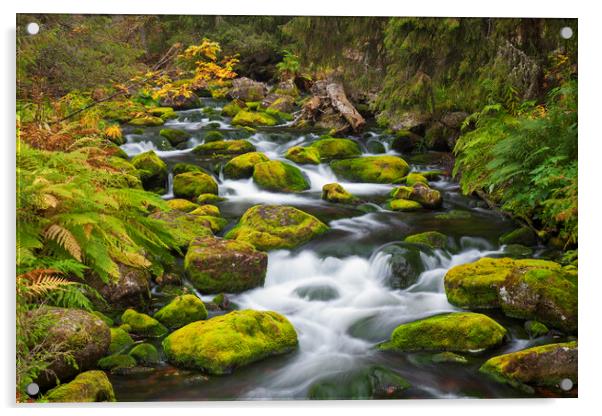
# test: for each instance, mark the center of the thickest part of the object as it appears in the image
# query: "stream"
(334, 289)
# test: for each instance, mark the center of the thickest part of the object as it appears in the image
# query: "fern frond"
(65, 239)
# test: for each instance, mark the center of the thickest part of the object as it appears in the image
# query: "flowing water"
(335, 289)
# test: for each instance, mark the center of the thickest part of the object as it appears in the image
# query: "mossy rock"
(152, 171)
(330, 148)
(181, 311)
(120, 341)
(145, 354)
(425, 196)
(90, 386)
(278, 176)
(206, 210)
(524, 236)
(405, 263)
(459, 331)
(535, 329)
(215, 224)
(185, 226)
(221, 344)
(216, 265)
(334, 192)
(403, 205)
(181, 101)
(282, 104)
(528, 288)
(146, 121)
(372, 169)
(449, 357)
(115, 361)
(303, 155)
(414, 178)
(373, 383)
(209, 199)
(165, 113)
(142, 324)
(546, 365)
(432, 239)
(174, 136)
(242, 166)
(432, 175)
(185, 168)
(189, 185)
(224, 148)
(214, 136)
(231, 109)
(183, 205)
(248, 118)
(104, 318)
(269, 227)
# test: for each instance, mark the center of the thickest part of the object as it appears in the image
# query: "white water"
(325, 345)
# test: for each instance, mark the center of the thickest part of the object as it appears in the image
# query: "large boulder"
(184, 226)
(120, 341)
(335, 192)
(246, 89)
(373, 169)
(224, 148)
(152, 171)
(403, 205)
(251, 119)
(183, 205)
(242, 166)
(146, 121)
(280, 103)
(131, 289)
(143, 325)
(527, 288)
(459, 331)
(303, 155)
(269, 227)
(330, 148)
(546, 365)
(523, 235)
(175, 136)
(431, 239)
(90, 386)
(221, 344)
(78, 333)
(189, 185)
(181, 102)
(405, 263)
(216, 265)
(181, 311)
(278, 176)
(419, 192)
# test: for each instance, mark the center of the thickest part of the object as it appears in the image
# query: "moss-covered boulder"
(224, 148)
(181, 101)
(190, 185)
(246, 89)
(303, 155)
(216, 265)
(253, 119)
(242, 166)
(209, 199)
(74, 331)
(432, 239)
(405, 262)
(526, 288)
(414, 178)
(523, 235)
(427, 197)
(185, 226)
(460, 331)
(535, 329)
(449, 357)
(116, 361)
(334, 192)
(186, 167)
(90, 386)
(269, 227)
(546, 365)
(403, 205)
(130, 289)
(373, 169)
(213, 136)
(231, 109)
(145, 354)
(221, 344)
(206, 210)
(282, 104)
(174, 136)
(152, 171)
(165, 113)
(120, 341)
(183, 205)
(146, 121)
(142, 324)
(278, 176)
(331, 148)
(181, 311)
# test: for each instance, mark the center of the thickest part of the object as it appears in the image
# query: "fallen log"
(339, 101)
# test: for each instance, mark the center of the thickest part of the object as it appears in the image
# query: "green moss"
(224, 148)
(252, 105)
(330, 148)
(142, 324)
(433, 174)
(120, 340)
(192, 184)
(175, 137)
(215, 224)
(449, 357)
(401, 192)
(242, 166)
(145, 354)
(104, 318)
(90, 386)
(414, 178)
(279, 177)
(545, 365)
(214, 136)
(209, 199)
(152, 170)
(523, 235)
(248, 118)
(460, 331)
(373, 169)
(303, 155)
(432, 239)
(181, 311)
(403, 205)
(115, 361)
(270, 227)
(536, 329)
(183, 205)
(147, 121)
(186, 167)
(221, 344)
(334, 192)
(185, 226)
(279, 115)
(231, 109)
(206, 210)
(165, 113)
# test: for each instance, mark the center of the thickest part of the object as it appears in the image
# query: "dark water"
(355, 308)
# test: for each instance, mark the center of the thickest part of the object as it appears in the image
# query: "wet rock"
(373, 169)
(232, 108)
(524, 236)
(535, 329)
(183, 205)
(253, 119)
(165, 113)
(242, 166)
(414, 178)
(224, 148)
(279, 177)
(145, 354)
(269, 227)
(459, 331)
(152, 171)
(405, 141)
(403, 205)
(216, 265)
(330, 148)
(427, 197)
(374, 146)
(431, 239)
(213, 136)
(185, 226)
(181, 102)
(120, 341)
(322, 293)
(546, 365)
(132, 287)
(181, 311)
(186, 167)
(142, 324)
(174, 136)
(280, 103)
(405, 263)
(90, 386)
(221, 344)
(116, 361)
(449, 357)
(207, 210)
(246, 89)
(146, 121)
(438, 137)
(334, 192)
(517, 251)
(192, 184)
(303, 155)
